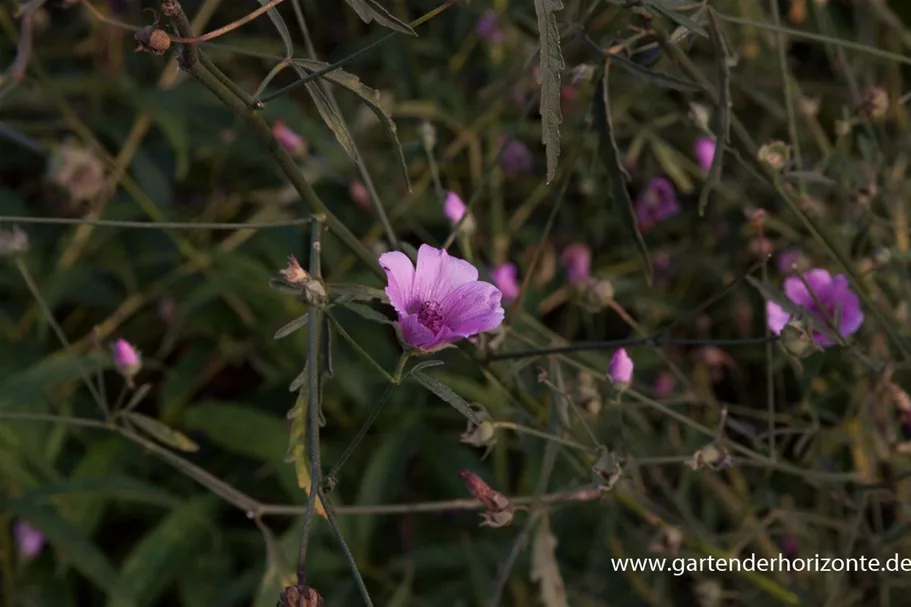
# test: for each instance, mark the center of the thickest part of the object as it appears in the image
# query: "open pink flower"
(29, 540)
(704, 150)
(657, 203)
(441, 300)
(833, 292)
(577, 261)
(506, 278)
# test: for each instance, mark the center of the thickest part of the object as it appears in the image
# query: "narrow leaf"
(100, 488)
(371, 10)
(367, 312)
(371, 97)
(544, 568)
(617, 176)
(658, 78)
(165, 434)
(552, 65)
(447, 394)
(657, 6)
(332, 118)
(426, 364)
(297, 448)
(292, 326)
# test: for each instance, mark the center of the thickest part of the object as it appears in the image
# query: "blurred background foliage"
(203, 507)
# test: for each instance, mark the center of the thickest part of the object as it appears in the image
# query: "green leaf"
(296, 453)
(160, 556)
(162, 432)
(330, 115)
(371, 10)
(369, 96)
(240, 429)
(552, 65)
(659, 78)
(33, 383)
(292, 326)
(657, 6)
(106, 487)
(617, 176)
(368, 313)
(77, 548)
(448, 395)
(104, 456)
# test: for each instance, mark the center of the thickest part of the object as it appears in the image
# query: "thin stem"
(157, 225)
(550, 437)
(655, 341)
(343, 62)
(374, 413)
(347, 337)
(313, 405)
(49, 316)
(352, 564)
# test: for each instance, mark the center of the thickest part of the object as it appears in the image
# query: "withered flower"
(499, 508)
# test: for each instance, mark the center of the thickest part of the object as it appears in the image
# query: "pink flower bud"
(453, 207)
(506, 278)
(293, 143)
(621, 369)
(704, 150)
(577, 261)
(126, 358)
(29, 540)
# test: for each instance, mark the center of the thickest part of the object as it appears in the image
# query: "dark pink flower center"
(430, 315)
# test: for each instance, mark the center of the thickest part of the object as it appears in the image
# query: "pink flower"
(786, 260)
(833, 292)
(506, 278)
(516, 158)
(704, 151)
(488, 27)
(126, 358)
(359, 194)
(577, 261)
(621, 369)
(665, 384)
(29, 540)
(441, 300)
(657, 203)
(453, 207)
(293, 143)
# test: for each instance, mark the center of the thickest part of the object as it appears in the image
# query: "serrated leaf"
(371, 97)
(297, 448)
(544, 568)
(678, 18)
(292, 326)
(159, 557)
(79, 551)
(617, 176)
(552, 65)
(162, 432)
(658, 78)
(371, 10)
(447, 394)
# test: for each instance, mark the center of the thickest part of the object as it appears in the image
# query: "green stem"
(341, 330)
(531, 431)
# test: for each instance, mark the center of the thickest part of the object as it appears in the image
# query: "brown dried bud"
(171, 8)
(607, 470)
(713, 456)
(875, 102)
(499, 508)
(294, 274)
(300, 596)
(152, 39)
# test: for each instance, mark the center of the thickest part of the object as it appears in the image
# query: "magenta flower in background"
(665, 384)
(833, 292)
(506, 278)
(29, 540)
(516, 158)
(788, 259)
(704, 151)
(126, 357)
(620, 370)
(453, 207)
(441, 300)
(293, 143)
(657, 203)
(577, 261)
(488, 27)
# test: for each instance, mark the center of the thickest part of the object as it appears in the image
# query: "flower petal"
(778, 317)
(472, 308)
(400, 274)
(437, 274)
(415, 334)
(842, 298)
(796, 291)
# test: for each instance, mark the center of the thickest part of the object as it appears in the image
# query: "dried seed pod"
(152, 39)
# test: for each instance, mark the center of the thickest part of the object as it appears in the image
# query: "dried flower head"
(713, 456)
(440, 300)
(875, 102)
(667, 541)
(499, 509)
(76, 170)
(597, 294)
(776, 154)
(796, 340)
(300, 596)
(607, 470)
(152, 39)
(294, 274)
(587, 393)
(13, 242)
